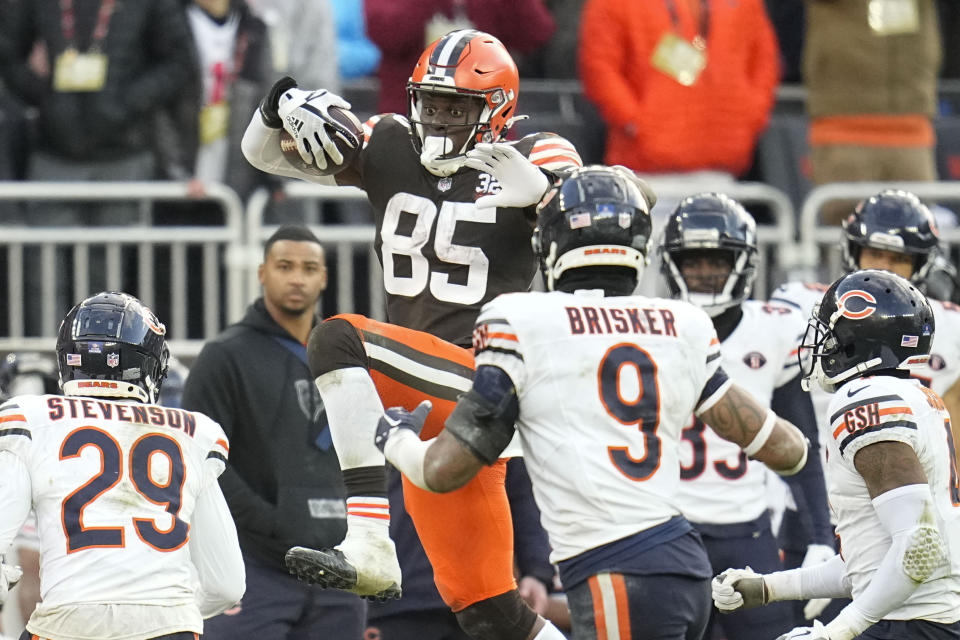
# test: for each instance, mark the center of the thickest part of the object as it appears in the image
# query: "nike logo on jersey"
(853, 392)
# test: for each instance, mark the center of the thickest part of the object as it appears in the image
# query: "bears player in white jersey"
(891, 474)
(895, 231)
(454, 205)
(599, 384)
(136, 540)
(708, 258)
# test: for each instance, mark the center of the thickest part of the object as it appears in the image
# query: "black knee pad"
(335, 344)
(503, 617)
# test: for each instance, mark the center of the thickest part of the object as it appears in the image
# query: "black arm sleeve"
(530, 543)
(792, 403)
(483, 419)
(214, 389)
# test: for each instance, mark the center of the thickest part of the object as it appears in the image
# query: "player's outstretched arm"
(215, 552)
(304, 114)
(739, 418)
(439, 465)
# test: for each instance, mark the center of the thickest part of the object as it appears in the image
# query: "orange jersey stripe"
(842, 427)
(543, 146)
(599, 618)
(17, 417)
(369, 505)
(503, 336)
(623, 608)
(562, 158)
(223, 443)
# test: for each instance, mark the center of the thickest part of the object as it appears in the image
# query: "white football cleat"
(363, 564)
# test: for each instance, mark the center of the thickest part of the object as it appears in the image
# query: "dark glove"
(271, 102)
(396, 418)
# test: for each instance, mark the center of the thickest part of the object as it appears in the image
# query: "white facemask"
(434, 147)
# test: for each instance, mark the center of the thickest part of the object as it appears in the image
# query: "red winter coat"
(713, 124)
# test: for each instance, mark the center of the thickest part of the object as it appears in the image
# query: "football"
(288, 145)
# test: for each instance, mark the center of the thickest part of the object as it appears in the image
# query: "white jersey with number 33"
(605, 386)
(720, 485)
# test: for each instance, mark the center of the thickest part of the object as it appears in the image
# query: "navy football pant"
(635, 607)
(911, 630)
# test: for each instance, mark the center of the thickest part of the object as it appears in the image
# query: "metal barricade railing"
(819, 245)
(776, 238)
(220, 247)
(347, 242)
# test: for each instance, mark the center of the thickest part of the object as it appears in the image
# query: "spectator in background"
(683, 85)
(99, 73)
(357, 56)
(402, 28)
(283, 481)
(552, 60)
(949, 27)
(788, 22)
(871, 81)
(303, 40)
(109, 67)
(200, 140)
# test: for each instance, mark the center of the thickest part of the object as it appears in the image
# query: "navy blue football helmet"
(111, 345)
(711, 221)
(867, 320)
(594, 217)
(893, 220)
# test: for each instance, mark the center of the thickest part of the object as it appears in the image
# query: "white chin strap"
(431, 157)
(105, 389)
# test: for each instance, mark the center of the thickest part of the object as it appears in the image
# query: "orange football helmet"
(467, 62)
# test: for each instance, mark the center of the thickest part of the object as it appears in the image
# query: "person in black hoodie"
(283, 481)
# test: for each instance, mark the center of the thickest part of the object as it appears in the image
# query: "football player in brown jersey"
(454, 206)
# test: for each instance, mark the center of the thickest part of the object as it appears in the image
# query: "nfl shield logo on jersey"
(113, 359)
(444, 184)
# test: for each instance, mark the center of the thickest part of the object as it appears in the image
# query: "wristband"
(762, 435)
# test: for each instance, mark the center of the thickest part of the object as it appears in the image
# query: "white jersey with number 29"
(114, 487)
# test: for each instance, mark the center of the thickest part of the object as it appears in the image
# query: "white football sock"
(353, 411)
(549, 632)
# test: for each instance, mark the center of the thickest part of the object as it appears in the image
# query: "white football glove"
(9, 577)
(737, 589)
(816, 554)
(305, 114)
(522, 184)
(816, 632)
